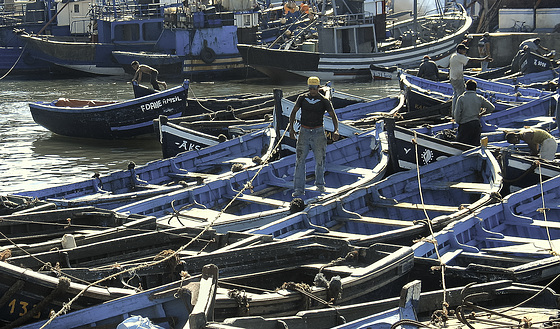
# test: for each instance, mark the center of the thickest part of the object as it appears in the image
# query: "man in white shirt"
(457, 61)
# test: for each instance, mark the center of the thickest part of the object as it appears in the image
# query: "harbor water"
(31, 157)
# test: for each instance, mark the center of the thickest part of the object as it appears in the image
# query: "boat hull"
(111, 121)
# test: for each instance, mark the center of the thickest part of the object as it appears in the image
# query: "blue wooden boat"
(161, 176)
(10, 204)
(361, 272)
(422, 306)
(514, 239)
(529, 78)
(391, 210)
(23, 289)
(176, 138)
(93, 257)
(109, 119)
(259, 195)
(423, 93)
(537, 113)
(48, 229)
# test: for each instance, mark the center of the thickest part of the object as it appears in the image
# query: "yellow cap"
(313, 81)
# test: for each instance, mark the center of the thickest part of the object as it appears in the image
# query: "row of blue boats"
(210, 237)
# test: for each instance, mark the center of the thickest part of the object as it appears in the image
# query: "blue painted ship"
(200, 42)
(94, 33)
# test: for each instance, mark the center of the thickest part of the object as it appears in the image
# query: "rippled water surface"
(32, 157)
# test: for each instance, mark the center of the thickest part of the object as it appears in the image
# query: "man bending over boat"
(313, 106)
(153, 73)
(470, 107)
(457, 61)
(540, 142)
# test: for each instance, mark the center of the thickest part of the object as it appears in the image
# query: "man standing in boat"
(470, 107)
(313, 106)
(457, 61)
(540, 142)
(153, 73)
(484, 50)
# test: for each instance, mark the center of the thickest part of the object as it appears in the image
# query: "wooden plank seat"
(465, 186)
(450, 255)
(262, 200)
(192, 175)
(418, 206)
(336, 168)
(378, 221)
(290, 185)
(92, 199)
(202, 214)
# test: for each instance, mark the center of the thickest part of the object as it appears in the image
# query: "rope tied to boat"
(240, 296)
(430, 226)
(410, 322)
(543, 210)
(534, 165)
(5, 254)
(350, 256)
(305, 290)
(172, 261)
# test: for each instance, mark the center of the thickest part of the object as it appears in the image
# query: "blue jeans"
(316, 140)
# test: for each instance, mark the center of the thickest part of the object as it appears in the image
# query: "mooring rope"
(429, 221)
(543, 211)
(199, 103)
(17, 61)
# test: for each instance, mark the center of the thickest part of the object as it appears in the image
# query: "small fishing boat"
(110, 119)
(422, 93)
(529, 78)
(29, 296)
(91, 260)
(43, 230)
(515, 239)
(383, 72)
(278, 278)
(257, 196)
(10, 204)
(161, 176)
(538, 113)
(186, 136)
(519, 170)
(418, 306)
(395, 209)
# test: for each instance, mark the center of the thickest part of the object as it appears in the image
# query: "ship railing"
(365, 18)
(125, 9)
(21, 15)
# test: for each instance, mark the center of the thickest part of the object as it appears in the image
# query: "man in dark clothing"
(313, 106)
(470, 107)
(428, 69)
